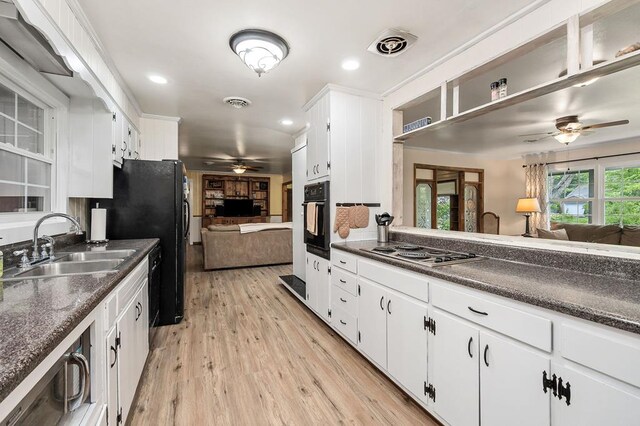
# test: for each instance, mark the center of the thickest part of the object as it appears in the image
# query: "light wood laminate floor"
(249, 353)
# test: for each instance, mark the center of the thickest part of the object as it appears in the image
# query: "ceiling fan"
(237, 165)
(569, 128)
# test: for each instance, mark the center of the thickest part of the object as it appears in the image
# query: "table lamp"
(527, 206)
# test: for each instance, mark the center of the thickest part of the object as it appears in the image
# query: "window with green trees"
(622, 195)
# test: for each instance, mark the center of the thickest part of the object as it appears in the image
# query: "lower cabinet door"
(323, 289)
(453, 370)
(511, 383)
(312, 280)
(592, 401)
(407, 342)
(127, 358)
(112, 377)
(142, 330)
(372, 321)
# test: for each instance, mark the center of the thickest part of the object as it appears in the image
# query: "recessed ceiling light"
(350, 64)
(286, 122)
(158, 79)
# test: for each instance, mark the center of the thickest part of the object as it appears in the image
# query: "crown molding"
(161, 117)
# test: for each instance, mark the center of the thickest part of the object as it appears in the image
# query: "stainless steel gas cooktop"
(424, 256)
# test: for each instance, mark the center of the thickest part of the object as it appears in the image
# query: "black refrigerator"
(149, 201)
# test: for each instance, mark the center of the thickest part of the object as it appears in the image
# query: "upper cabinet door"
(511, 384)
(593, 401)
(318, 140)
(372, 321)
(116, 134)
(453, 369)
(407, 343)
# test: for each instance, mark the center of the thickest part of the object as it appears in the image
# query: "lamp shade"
(528, 205)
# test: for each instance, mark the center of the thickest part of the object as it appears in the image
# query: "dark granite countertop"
(603, 299)
(37, 314)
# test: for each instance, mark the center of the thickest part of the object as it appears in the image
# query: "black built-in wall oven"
(318, 244)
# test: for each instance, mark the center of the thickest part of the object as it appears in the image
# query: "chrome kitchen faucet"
(76, 225)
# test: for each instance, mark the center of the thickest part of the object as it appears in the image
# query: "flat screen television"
(234, 208)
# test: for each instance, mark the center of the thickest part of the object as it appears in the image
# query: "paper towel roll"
(98, 224)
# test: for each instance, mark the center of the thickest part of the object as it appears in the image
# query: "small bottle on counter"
(494, 91)
(502, 88)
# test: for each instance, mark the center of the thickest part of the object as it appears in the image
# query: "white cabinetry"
(90, 168)
(159, 140)
(318, 137)
(592, 400)
(299, 179)
(318, 284)
(127, 342)
(393, 334)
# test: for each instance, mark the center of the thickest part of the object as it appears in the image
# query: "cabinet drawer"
(520, 325)
(343, 300)
(597, 350)
(344, 280)
(411, 284)
(345, 324)
(344, 261)
(129, 286)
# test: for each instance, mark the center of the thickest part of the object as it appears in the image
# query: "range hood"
(28, 43)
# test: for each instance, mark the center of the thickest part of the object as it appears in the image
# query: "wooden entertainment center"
(218, 188)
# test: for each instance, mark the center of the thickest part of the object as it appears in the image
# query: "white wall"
(159, 138)
(503, 184)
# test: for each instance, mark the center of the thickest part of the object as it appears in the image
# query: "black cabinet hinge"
(430, 391)
(119, 340)
(328, 126)
(113, 116)
(328, 165)
(564, 391)
(113, 149)
(430, 325)
(549, 383)
(329, 312)
(358, 289)
(119, 418)
(329, 270)
(359, 337)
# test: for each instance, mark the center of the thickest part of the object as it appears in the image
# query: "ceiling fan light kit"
(260, 50)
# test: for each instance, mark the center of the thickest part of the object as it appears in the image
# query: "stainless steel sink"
(95, 255)
(71, 268)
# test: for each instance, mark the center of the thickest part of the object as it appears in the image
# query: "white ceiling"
(187, 42)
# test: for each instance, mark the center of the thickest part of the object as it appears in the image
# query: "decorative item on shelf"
(527, 206)
(416, 124)
(264, 186)
(495, 94)
(628, 49)
(502, 88)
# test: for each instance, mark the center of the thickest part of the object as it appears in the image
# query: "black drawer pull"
(382, 303)
(343, 262)
(486, 348)
(342, 281)
(115, 359)
(343, 300)
(342, 322)
(477, 312)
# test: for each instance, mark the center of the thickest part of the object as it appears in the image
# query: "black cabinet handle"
(343, 300)
(115, 352)
(382, 303)
(343, 262)
(477, 312)
(469, 347)
(486, 348)
(342, 281)
(389, 306)
(137, 312)
(342, 322)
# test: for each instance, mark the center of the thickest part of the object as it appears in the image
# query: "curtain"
(536, 178)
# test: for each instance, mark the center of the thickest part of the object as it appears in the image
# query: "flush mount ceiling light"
(237, 101)
(260, 50)
(158, 79)
(286, 122)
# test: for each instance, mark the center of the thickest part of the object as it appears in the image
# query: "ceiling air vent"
(392, 43)
(237, 101)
